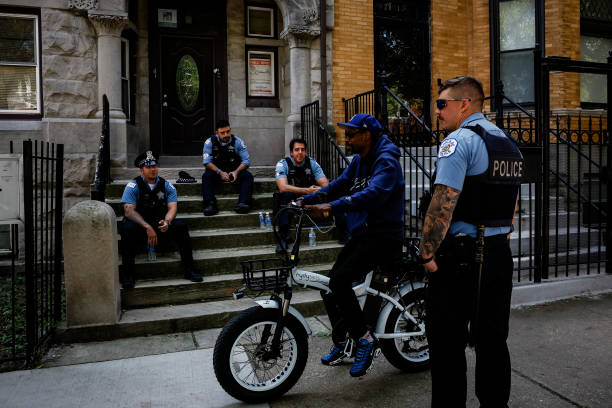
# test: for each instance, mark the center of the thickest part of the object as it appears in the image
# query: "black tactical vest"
(300, 176)
(152, 205)
(489, 198)
(225, 157)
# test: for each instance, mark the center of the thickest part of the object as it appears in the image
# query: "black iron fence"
(562, 215)
(102, 176)
(320, 145)
(32, 292)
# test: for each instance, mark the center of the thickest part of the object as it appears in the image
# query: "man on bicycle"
(371, 194)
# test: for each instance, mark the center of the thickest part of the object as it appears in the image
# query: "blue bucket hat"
(363, 121)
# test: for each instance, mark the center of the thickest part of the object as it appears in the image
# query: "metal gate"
(32, 290)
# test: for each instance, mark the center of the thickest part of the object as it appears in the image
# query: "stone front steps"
(180, 318)
(163, 302)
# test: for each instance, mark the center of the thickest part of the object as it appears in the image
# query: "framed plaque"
(261, 76)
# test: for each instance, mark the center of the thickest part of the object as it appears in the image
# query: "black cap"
(145, 159)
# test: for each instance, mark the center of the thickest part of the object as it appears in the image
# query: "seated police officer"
(296, 176)
(226, 158)
(150, 204)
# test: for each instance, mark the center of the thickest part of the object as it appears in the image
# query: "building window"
(19, 64)
(125, 77)
(262, 78)
(260, 21)
(595, 42)
(516, 45)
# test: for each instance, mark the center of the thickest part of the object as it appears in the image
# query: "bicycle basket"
(265, 274)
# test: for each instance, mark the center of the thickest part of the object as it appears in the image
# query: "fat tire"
(227, 338)
(389, 347)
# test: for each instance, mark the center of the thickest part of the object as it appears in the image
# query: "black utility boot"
(281, 246)
(192, 275)
(211, 208)
(242, 208)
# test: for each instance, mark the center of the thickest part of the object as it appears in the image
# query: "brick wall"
(563, 40)
(353, 53)
(460, 45)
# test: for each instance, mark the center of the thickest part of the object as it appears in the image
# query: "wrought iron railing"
(568, 229)
(102, 176)
(320, 145)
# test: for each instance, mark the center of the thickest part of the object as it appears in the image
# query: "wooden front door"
(187, 94)
(187, 74)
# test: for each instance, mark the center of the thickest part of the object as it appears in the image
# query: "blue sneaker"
(366, 352)
(338, 353)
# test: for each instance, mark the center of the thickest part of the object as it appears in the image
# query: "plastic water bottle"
(151, 256)
(268, 222)
(262, 221)
(312, 237)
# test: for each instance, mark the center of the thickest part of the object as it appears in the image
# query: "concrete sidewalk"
(561, 354)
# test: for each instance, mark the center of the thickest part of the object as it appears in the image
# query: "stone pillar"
(108, 25)
(300, 38)
(91, 269)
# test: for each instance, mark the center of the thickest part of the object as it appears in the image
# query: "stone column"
(91, 269)
(300, 38)
(108, 27)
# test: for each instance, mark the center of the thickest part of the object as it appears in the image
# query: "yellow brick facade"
(460, 45)
(353, 53)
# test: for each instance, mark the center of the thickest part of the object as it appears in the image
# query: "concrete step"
(191, 164)
(568, 239)
(261, 185)
(180, 291)
(193, 204)
(224, 219)
(226, 261)
(180, 318)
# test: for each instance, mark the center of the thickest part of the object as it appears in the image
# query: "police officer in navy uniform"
(477, 181)
(150, 205)
(296, 175)
(226, 158)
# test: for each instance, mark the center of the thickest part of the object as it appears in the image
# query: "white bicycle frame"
(313, 280)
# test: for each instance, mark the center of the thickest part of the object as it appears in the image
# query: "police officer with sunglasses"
(465, 249)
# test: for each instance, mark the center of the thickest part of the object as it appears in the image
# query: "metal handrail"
(323, 129)
(102, 175)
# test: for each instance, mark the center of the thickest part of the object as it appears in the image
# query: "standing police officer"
(296, 175)
(465, 249)
(150, 204)
(226, 158)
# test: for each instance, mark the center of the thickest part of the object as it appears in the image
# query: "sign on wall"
(166, 18)
(261, 73)
(11, 188)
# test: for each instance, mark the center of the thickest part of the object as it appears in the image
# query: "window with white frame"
(260, 21)
(19, 64)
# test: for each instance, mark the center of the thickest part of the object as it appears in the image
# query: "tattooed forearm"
(438, 218)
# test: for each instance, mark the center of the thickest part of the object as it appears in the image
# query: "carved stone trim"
(108, 24)
(83, 4)
(300, 35)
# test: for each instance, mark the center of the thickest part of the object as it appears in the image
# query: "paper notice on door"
(261, 73)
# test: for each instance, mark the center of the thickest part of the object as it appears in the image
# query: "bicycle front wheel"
(245, 364)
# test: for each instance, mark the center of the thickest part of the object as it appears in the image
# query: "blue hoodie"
(371, 192)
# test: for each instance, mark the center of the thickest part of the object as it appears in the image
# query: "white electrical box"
(11, 188)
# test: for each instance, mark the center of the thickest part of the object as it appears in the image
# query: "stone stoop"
(164, 302)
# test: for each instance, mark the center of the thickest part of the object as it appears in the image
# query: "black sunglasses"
(350, 135)
(441, 103)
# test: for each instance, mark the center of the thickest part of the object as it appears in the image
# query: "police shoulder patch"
(169, 184)
(447, 147)
(280, 165)
(208, 141)
(131, 184)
